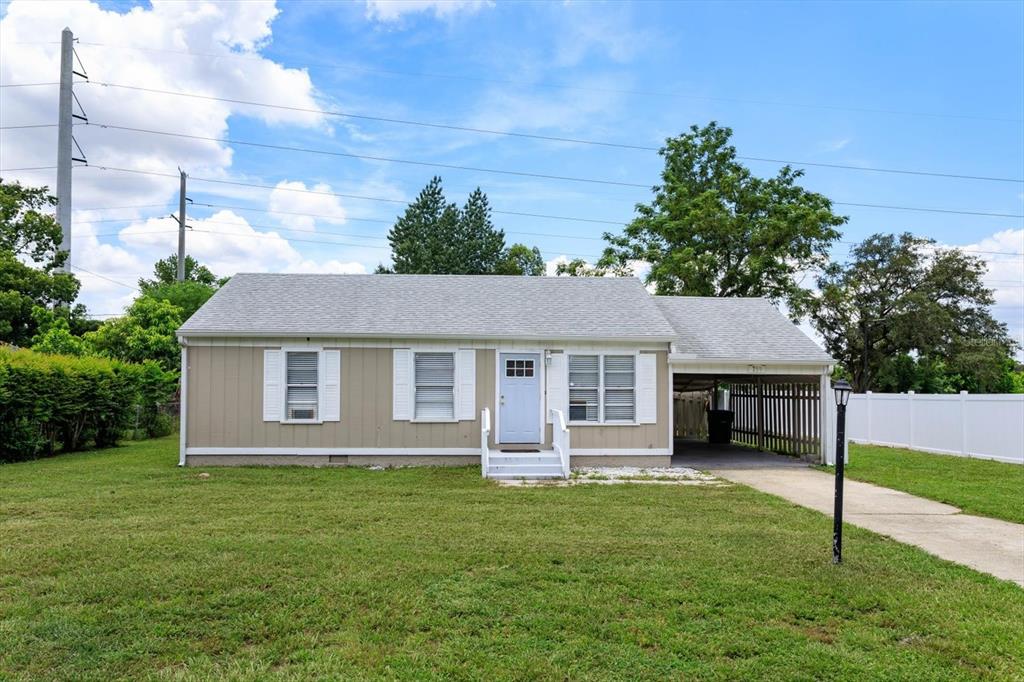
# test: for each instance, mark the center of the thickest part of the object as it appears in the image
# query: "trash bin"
(720, 426)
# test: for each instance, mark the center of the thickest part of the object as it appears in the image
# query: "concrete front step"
(530, 476)
(524, 469)
(535, 460)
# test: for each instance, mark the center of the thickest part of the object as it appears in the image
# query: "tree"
(900, 295)
(165, 271)
(145, 332)
(187, 295)
(520, 259)
(28, 231)
(713, 229)
(55, 336)
(435, 236)
(481, 247)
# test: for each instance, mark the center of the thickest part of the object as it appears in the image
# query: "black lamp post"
(842, 389)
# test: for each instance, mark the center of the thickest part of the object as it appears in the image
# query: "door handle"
(502, 400)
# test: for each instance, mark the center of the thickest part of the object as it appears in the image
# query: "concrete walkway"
(988, 545)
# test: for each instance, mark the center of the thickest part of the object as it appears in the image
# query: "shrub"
(57, 401)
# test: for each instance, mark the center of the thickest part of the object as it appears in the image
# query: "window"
(602, 388)
(435, 386)
(584, 387)
(519, 368)
(301, 397)
(619, 377)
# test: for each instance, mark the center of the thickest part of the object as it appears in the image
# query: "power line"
(589, 220)
(96, 274)
(326, 152)
(547, 138)
(337, 194)
(564, 86)
(23, 127)
(261, 235)
(26, 168)
(27, 85)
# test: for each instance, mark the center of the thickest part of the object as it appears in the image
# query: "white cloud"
(835, 145)
(292, 197)
(1001, 253)
(391, 11)
(27, 33)
(227, 244)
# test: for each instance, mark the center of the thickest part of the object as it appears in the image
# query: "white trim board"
(332, 451)
(621, 452)
(431, 343)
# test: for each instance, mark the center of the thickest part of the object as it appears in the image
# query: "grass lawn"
(117, 564)
(977, 486)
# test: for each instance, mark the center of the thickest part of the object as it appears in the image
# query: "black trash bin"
(720, 426)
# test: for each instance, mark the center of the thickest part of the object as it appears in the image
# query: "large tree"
(29, 232)
(434, 236)
(715, 229)
(165, 271)
(901, 296)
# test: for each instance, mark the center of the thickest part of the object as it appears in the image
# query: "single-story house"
(522, 375)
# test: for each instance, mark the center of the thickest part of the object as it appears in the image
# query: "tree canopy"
(28, 231)
(165, 271)
(903, 311)
(434, 236)
(715, 229)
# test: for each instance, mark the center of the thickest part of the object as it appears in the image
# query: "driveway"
(988, 545)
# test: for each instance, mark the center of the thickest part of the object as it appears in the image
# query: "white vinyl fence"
(982, 426)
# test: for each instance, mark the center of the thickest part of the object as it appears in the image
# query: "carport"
(743, 355)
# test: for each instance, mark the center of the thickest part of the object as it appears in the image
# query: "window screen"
(584, 386)
(435, 386)
(619, 395)
(302, 384)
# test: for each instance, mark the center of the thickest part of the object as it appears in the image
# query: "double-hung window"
(435, 386)
(302, 385)
(602, 388)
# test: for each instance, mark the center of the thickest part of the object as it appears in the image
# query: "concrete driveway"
(988, 545)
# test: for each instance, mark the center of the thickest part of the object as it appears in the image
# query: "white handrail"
(560, 439)
(485, 432)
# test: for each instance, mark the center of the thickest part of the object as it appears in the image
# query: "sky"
(925, 87)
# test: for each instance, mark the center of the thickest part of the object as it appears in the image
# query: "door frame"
(542, 387)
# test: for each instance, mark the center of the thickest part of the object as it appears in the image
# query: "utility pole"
(181, 228)
(64, 142)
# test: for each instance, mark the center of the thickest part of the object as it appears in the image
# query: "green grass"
(977, 486)
(116, 564)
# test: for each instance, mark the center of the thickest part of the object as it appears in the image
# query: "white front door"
(519, 398)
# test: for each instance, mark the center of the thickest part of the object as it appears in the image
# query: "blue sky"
(919, 86)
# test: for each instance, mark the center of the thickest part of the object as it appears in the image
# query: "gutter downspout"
(183, 404)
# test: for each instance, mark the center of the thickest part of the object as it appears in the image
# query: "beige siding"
(225, 396)
(225, 405)
(626, 437)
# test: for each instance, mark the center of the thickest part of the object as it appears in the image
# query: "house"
(522, 375)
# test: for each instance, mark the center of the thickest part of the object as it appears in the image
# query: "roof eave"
(217, 333)
(692, 359)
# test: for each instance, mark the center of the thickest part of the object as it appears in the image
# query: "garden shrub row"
(51, 403)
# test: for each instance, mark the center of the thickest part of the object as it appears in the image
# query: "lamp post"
(842, 390)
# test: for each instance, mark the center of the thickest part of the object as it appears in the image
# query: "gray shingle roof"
(449, 306)
(736, 328)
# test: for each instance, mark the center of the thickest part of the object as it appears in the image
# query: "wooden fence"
(777, 416)
(691, 415)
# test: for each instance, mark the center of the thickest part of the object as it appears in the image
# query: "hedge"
(58, 402)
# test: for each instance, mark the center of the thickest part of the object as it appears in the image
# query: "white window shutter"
(401, 389)
(273, 393)
(556, 393)
(330, 385)
(465, 379)
(647, 388)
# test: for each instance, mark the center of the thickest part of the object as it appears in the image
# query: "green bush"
(51, 402)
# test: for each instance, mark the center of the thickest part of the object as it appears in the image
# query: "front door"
(519, 398)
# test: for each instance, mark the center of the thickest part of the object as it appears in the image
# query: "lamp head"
(842, 390)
